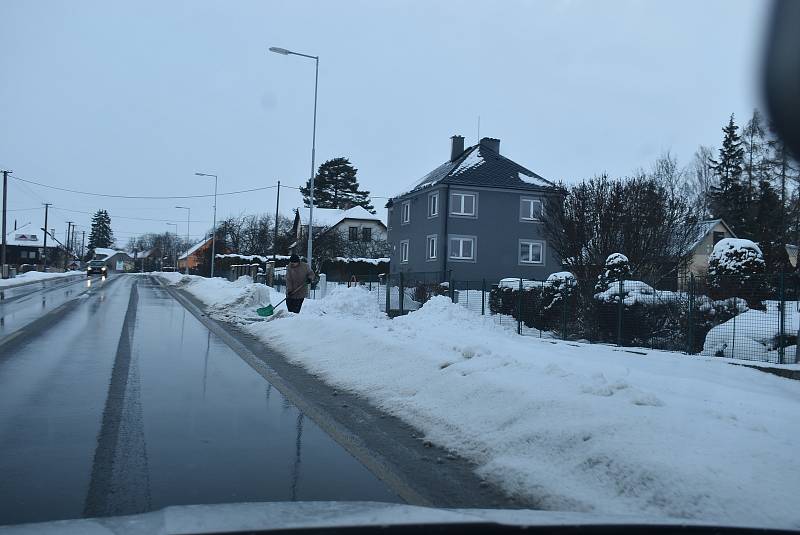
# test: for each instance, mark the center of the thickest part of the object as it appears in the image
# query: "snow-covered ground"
(32, 276)
(576, 427)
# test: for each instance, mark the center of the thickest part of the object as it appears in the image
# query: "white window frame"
(462, 195)
(405, 246)
(461, 239)
(529, 243)
(433, 204)
(529, 216)
(405, 213)
(431, 238)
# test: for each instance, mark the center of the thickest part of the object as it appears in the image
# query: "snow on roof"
(28, 236)
(107, 253)
(194, 248)
(706, 226)
(330, 217)
(473, 159)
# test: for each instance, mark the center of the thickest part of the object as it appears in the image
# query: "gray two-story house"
(477, 216)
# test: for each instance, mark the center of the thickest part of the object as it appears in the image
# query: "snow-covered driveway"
(571, 426)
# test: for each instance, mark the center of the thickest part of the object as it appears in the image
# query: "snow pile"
(32, 276)
(734, 256)
(572, 426)
(228, 301)
(755, 335)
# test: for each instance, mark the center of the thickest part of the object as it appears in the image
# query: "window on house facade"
(530, 209)
(531, 252)
(462, 247)
(404, 251)
(433, 204)
(432, 246)
(366, 234)
(718, 236)
(463, 204)
(406, 212)
(353, 233)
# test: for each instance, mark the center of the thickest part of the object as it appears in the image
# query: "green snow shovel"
(269, 310)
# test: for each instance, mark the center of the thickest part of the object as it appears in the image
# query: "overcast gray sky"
(133, 97)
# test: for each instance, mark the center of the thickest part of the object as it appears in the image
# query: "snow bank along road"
(120, 401)
(570, 426)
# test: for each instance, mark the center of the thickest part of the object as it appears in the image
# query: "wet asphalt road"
(126, 403)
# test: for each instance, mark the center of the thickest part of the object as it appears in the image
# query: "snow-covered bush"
(617, 268)
(558, 288)
(736, 269)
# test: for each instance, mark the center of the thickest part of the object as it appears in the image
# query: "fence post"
(690, 326)
(782, 314)
(619, 313)
(450, 289)
(519, 308)
(400, 295)
(735, 313)
(563, 317)
(483, 298)
(388, 294)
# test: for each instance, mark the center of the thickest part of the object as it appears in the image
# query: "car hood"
(239, 517)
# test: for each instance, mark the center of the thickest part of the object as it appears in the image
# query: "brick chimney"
(456, 147)
(491, 143)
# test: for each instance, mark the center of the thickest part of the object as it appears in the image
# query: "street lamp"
(284, 52)
(174, 247)
(214, 235)
(188, 217)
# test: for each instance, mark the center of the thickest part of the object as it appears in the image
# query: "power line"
(131, 217)
(151, 197)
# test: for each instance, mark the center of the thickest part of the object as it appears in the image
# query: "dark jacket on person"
(296, 279)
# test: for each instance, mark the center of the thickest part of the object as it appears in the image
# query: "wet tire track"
(119, 482)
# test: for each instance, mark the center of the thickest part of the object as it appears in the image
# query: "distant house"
(709, 233)
(25, 245)
(195, 255)
(478, 215)
(118, 261)
(354, 224)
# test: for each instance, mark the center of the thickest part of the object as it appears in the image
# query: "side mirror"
(781, 75)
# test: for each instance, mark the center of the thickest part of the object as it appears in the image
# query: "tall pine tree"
(729, 196)
(336, 186)
(101, 234)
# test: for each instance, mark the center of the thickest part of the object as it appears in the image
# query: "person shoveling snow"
(298, 275)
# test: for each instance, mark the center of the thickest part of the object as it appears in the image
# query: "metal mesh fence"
(754, 319)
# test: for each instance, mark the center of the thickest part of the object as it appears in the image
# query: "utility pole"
(69, 247)
(83, 244)
(46, 207)
(275, 239)
(3, 272)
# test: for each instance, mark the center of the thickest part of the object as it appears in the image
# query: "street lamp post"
(285, 52)
(188, 217)
(174, 247)
(214, 235)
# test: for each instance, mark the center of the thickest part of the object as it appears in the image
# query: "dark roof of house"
(480, 165)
